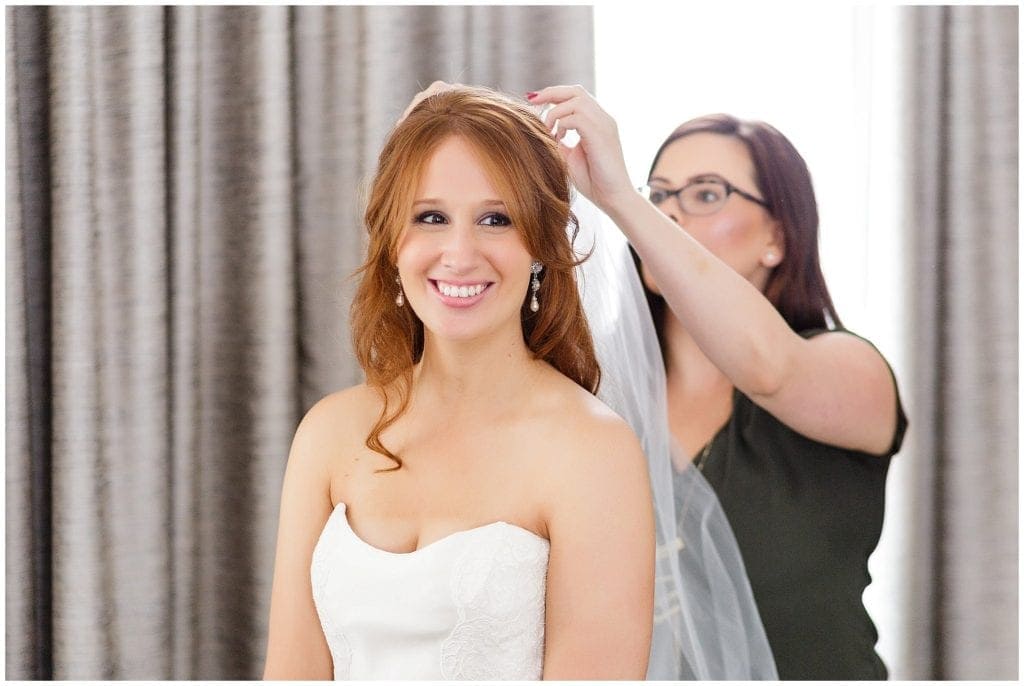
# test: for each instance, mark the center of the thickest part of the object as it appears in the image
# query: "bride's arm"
(600, 585)
(296, 647)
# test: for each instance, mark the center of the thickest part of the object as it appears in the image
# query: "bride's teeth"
(461, 291)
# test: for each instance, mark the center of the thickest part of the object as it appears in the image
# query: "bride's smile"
(464, 267)
(459, 294)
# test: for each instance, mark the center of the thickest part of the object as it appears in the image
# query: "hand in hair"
(596, 163)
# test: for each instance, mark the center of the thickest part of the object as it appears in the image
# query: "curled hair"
(796, 287)
(522, 161)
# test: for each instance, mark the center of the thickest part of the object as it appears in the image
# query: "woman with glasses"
(792, 419)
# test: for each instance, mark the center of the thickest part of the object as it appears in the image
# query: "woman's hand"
(596, 163)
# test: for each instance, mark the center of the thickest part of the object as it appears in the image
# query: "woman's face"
(464, 266)
(741, 233)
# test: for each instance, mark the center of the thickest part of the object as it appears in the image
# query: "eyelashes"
(496, 219)
(430, 218)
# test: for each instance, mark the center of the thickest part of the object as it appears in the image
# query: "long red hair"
(523, 162)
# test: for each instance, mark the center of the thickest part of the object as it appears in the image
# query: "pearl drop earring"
(535, 269)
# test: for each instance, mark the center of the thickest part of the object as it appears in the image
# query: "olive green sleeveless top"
(806, 517)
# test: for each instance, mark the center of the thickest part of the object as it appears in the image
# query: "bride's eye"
(496, 220)
(430, 218)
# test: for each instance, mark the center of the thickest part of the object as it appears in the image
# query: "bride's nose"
(460, 252)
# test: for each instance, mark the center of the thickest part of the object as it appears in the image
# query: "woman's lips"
(474, 292)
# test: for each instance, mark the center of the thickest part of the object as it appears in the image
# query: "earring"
(535, 269)
(769, 258)
(400, 298)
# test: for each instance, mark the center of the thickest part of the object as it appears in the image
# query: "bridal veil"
(706, 622)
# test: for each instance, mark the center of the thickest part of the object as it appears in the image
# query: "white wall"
(824, 75)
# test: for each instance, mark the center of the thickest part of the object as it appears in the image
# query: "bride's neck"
(453, 375)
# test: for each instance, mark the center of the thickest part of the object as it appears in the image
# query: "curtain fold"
(183, 209)
(962, 241)
(29, 420)
(110, 394)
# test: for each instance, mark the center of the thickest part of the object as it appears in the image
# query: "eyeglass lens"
(699, 198)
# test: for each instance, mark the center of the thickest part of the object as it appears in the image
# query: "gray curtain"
(183, 209)
(962, 238)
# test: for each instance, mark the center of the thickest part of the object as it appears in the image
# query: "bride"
(473, 510)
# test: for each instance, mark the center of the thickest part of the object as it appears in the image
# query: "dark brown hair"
(796, 287)
(522, 159)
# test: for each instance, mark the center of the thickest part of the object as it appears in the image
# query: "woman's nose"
(460, 251)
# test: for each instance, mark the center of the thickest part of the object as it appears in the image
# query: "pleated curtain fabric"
(184, 198)
(962, 244)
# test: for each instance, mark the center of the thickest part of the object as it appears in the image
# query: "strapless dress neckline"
(469, 605)
(340, 505)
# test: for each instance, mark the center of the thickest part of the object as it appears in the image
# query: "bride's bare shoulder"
(331, 423)
(584, 429)
(588, 464)
(347, 404)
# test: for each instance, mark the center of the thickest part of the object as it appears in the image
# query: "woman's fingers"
(573, 122)
(557, 94)
(588, 115)
(563, 117)
(560, 112)
(568, 99)
(596, 163)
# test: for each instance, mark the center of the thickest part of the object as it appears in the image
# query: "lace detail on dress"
(320, 573)
(498, 587)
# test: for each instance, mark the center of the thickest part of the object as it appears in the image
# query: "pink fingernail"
(531, 95)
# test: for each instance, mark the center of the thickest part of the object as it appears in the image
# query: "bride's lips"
(455, 301)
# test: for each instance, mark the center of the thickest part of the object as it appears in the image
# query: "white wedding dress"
(468, 606)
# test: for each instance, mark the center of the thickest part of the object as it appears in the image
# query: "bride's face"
(463, 264)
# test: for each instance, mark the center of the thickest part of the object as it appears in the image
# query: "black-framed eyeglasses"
(700, 197)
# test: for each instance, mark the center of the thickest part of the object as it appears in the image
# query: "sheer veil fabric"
(706, 622)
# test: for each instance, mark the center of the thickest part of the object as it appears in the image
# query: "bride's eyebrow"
(438, 201)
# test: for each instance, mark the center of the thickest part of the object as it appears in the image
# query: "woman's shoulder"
(333, 420)
(588, 461)
(852, 348)
(849, 396)
(347, 402)
(581, 431)
(577, 403)
(837, 334)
